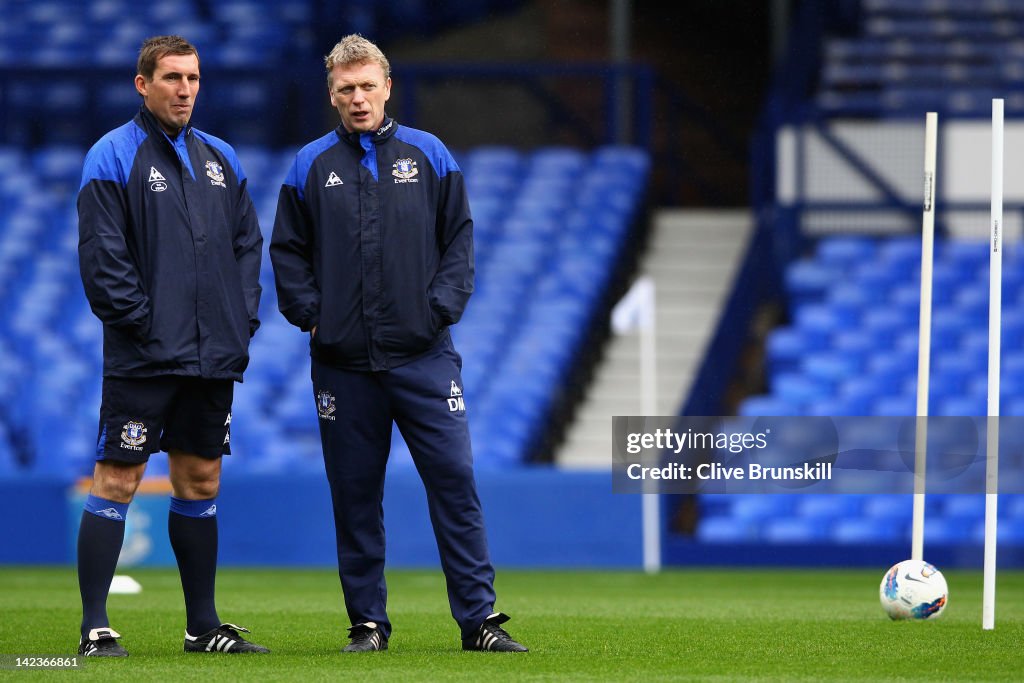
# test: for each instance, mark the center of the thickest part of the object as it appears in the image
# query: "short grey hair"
(354, 49)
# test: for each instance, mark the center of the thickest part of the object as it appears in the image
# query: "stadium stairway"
(692, 258)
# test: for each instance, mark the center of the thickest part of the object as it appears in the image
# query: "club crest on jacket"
(405, 171)
(216, 173)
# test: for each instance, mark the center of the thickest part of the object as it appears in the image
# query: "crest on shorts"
(216, 173)
(325, 405)
(133, 433)
(404, 169)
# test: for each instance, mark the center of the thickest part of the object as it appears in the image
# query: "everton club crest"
(215, 172)
(325, 405)
(133, 435)
(405, 171)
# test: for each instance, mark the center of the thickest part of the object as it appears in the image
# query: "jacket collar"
(179, 145)
(386, 130)
(148, 123)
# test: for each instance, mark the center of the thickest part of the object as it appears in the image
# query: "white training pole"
(649, 394)
(924, 336)
(995, 281)
(636, 312)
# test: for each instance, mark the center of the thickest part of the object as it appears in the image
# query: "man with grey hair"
(373, 256)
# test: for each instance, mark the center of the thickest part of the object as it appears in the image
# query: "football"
(913, 589)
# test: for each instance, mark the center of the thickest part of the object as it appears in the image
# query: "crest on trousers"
(216, 173)
(133, 435)
(325, 405)
(404, 171)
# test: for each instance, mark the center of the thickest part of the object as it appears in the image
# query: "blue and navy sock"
(192, 527)
(99, 543)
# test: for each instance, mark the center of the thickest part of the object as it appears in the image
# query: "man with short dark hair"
(169, 252)
(373, 256)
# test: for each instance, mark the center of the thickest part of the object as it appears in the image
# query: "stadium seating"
(950, 520)
(865, 323)
(550, 225)
(59, 33)
(851, 348)
(909, 57)
(66, 65)
(243, 33)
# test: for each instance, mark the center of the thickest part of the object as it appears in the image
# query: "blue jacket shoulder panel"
(438, 155)
(113, 155)
(299, 171)
(224, 148)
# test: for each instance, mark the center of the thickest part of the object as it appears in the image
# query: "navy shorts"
(143, 416)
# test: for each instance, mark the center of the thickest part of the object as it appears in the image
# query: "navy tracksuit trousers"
(356, 411)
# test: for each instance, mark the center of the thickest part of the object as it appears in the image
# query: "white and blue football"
(913, 589)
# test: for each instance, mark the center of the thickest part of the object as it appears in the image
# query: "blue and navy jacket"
(373, 245)
(169, 250)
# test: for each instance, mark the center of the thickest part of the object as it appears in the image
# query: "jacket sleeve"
(109, 273)
(453, 284)
(248, 246)
(291, 252)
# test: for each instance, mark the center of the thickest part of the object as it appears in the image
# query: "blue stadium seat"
(898, 405)
(853, 341)
(949, 530)
(949, 325)
(557, 159)
(962, 406)
(894, 365)
(818, 323)
(864, 389)
(900, 253)
(758, 507)
(974, 252)
(851, 302)
(1010, 532)
(867, 530)
(951, 378)
(768, 405)
(971, 507)
(829, 506)
(799, 530)
(807, 281)
(888, 323)
(784, 348)
(833, 367)
(799, 389)
(846, 251)
(1012, 505)
(889, 506)
(726, 530)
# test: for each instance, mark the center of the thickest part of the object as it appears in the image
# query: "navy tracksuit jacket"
(169, 252)
(373, 247)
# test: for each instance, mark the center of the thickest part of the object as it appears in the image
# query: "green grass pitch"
(727, 625)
